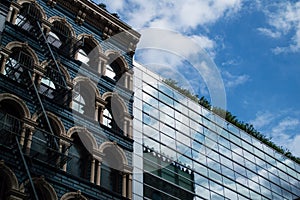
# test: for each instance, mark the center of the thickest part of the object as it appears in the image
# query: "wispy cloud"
(231, 80)
(281, 126)
(283, 19)
(269, 32)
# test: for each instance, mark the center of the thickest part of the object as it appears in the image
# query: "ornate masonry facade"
(66, 95)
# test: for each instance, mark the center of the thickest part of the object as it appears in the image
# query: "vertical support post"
(8, 18)
(124, 185)
(98, 179)
(3, 63)
(22, 138)
(129, 186)
(92, 179)
(125, 129)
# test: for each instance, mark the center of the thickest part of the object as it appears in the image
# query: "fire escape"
(20, 69)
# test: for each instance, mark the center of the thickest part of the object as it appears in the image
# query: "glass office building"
(184, 151)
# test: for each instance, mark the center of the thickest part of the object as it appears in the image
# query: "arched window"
(80, 158)
(110, 119)
(43, 189)
(27, 17)
(110, 72)
(45, 146)
(88, 52)
(18, 64)
(111, 174)
(10, 120)
(60, 35)
(84, 99)
(115, 67)
(8, 181)
(47, 87)
(53, 83)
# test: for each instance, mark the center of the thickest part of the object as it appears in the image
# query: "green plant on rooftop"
(229, 117)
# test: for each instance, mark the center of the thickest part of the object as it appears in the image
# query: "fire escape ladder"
(43, 40)
(26, 168)
(40, 103)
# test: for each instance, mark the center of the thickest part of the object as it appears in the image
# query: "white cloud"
(231, 80)
(262, 119)
(269, 32)
(282, 127)
(284, 20)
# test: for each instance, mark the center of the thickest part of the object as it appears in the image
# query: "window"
(80, 158)
(10, 115)
(45, 144)
(28, 16)
(17, 66)
(115, 67)
(47, 87)
(111, 175)
(54, 40)
(110, 119)
(82, 56)
(87, 52)
(84, 99)
(60, 35)
(107, 118)
(110, 72)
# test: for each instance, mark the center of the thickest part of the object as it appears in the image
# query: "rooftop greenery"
(249, 128)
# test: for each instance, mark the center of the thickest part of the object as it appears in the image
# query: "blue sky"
(255, 44)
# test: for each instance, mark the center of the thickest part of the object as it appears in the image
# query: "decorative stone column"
(100, 106)
(98, 179)
(102, 64)
(5, 55)
(124, 188)
(129, 195)
(29, 141)
(92, 179)
(8, 17)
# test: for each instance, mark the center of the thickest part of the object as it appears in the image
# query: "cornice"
(109, 25)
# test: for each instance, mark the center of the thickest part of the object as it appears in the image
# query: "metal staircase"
(20, 69)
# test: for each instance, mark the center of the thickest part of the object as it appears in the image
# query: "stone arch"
(73, 195)
(65, 72)
(54, 118)
(93, 40)
(12, 179)
(65, 22)
(117, 99)
(89, 82)
(41, 183)
(21, 2)
(85, 136)
(114, 56)
(15, 44)
(22, 105)
(117, 149)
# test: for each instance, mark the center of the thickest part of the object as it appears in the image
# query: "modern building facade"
(65, 70)
(185, 151)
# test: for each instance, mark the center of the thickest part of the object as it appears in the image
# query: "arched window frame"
(52, 82)
(89, 52)
(28, 62)
(118, 118)
(89, 145)
(116, 65)
(24, 115)
(85, 94)
(44, 190)
(118, 162)
(61, 34)
(27, 14)
(42, 144)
